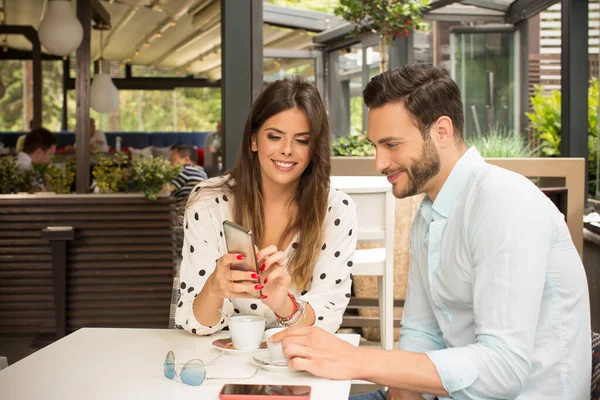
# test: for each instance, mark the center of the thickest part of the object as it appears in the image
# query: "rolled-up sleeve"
(200, 252)
(329, 292)
(510, 254)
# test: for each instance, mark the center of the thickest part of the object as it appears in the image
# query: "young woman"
(279, 189)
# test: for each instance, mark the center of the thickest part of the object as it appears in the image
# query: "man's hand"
(319, 352)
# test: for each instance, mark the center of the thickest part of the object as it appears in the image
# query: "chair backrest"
(595, 393)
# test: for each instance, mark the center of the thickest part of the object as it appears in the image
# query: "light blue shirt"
(497, 293)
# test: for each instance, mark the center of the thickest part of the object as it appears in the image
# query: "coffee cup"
(246, 331)
(275, 349)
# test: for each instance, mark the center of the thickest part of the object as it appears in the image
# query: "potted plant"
(387, 18)
(149, 175)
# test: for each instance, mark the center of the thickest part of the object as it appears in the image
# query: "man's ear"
(443, 131)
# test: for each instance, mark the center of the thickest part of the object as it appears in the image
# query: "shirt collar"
(456, 181)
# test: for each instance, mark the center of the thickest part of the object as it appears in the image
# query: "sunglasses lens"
(193, 373)
(170, 365)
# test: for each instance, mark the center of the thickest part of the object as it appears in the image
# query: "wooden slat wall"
(119, 267)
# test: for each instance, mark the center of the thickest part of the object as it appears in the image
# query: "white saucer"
(226, 346)
(265, 360)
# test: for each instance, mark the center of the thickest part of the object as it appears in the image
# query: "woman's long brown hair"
(245, 182)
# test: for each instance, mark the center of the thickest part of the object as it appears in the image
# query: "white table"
(105, 363)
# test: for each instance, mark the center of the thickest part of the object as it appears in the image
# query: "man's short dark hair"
(426, 91)
(38, 138)
(186, 150)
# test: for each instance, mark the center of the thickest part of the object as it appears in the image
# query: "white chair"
(375, 207)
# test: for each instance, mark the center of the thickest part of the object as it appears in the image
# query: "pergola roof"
(509, 11)
(177, 35)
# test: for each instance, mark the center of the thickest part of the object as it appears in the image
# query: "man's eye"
(391, 145)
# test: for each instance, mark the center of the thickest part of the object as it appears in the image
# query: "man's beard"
(420, 172)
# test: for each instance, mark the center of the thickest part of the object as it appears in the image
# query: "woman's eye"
(303, 141)
(273, 137)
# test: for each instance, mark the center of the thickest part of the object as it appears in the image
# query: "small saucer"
(227, 346)
(265, 360)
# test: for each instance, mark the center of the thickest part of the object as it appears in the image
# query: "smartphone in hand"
(240, 240)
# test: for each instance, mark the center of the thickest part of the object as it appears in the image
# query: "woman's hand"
(225, 282)
(276, 280)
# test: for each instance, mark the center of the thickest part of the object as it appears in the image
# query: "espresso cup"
(246, 331)
(275, 349)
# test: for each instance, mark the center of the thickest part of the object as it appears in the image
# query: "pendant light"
(104, 93)
(60, 31)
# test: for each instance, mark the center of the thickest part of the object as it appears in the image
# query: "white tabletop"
(361, 184)
(103, 363)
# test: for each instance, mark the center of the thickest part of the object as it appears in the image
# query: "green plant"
(151, 174)
(545, 121)
(387, 18)
(546, 124)
(109, 173)
(61, 177)
(500, 144)
(353, 146)
(11, 181)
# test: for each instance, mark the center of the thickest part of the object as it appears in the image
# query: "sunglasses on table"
(193, 372)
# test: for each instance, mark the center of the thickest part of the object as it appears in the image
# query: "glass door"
(484, 65)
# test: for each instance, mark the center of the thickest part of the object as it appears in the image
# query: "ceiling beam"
(157, 83)
(521, 10)
(440, 3)
(99, 14)
(12, 54)
(162, 26)
(191, 38)
(118, 26)
(487, 4)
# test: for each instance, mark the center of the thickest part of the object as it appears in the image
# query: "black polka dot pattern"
(221, 233)
(303, 292)
(196, 217)
(323, 276)
(253, 306)
(350, 263)
(338, 281)
(320, 318)
(235, 310)
(197, 189)
(190, 289)
(217, 200)
(222, 321)
(345, 202)
(337, 254)
(329, 209)
(324, 246)
(350, 233)
(225, 198)
(202, 272)
(180, 304)
(332, 303)
(347, 295)
(191, 249)
(186, 225)
(336, 222)
(183, 285)
(194, 331)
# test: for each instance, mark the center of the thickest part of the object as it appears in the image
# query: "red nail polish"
(263, 267)
(240, 257)
(265, 280)
(258, 287)
(256, 276)
(264, 296)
